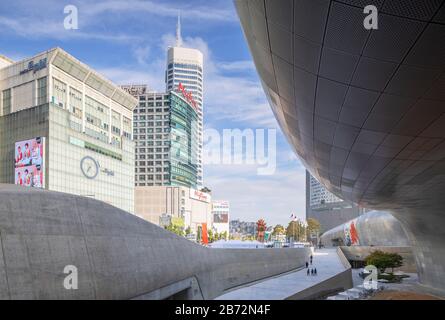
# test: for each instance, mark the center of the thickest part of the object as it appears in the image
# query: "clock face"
(89, 167)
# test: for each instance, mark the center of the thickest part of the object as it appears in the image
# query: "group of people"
(30, 178)
(29, 163)
(311, 271)
(29, 155)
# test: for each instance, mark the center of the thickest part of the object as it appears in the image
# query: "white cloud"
(163, 9)
(133, 76)
(27, 28)
(241, 65)
(141, 54)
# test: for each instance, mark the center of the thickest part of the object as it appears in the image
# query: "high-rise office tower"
(165, 130)
(185, 71)
(327, 208)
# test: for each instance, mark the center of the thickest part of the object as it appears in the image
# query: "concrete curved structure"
(117, 255)
(374, 228)
(363, 109)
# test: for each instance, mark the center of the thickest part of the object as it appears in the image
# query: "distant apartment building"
(165, 133)
(184, 70)
(221, 216)
(64, 127)
(327, 208)
(240, 228)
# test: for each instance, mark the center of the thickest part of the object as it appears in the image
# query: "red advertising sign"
(187, 95)
(205, 239)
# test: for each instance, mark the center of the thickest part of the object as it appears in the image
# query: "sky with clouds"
(126, 41)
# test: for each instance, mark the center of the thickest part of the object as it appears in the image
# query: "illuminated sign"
(35, 66)
(221, 217)
(187, 95)
(29, 159)
(198, 195)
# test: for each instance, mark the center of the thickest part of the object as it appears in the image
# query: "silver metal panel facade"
(363, 109)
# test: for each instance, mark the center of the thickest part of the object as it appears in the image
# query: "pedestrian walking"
(307, 271)
(307, 264)
(315, 271)
(312, 272)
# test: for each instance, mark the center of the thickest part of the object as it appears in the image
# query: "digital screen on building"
(221, 217)
(29, 159)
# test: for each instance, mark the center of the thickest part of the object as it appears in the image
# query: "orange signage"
(187, 95)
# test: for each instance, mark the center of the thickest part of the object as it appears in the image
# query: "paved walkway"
(281, 287)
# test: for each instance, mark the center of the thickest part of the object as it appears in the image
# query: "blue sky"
(126, 41)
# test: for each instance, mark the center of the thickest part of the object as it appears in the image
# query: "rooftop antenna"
(178, 31)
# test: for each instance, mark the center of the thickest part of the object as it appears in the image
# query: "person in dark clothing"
(307, 264)
(307, 272)
(315, 271)
(312, 272)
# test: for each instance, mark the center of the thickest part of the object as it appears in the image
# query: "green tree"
(206, 190)
(383, 260)
(199, 234)
(313, 228)
(296, 230)
(223, 235)
(278, 230)
(188, 230)
(212, 236)
(176, 229)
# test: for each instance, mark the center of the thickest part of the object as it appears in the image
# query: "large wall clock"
(89, 167)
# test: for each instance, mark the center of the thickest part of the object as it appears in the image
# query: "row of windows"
(144, 150)
(158, 130)
(152, 98)
(152, 104)
(158, 169)
(151, 177)
(151, 157)
(181, 76)
(150, 117)
(179, 71)
(144, 163)
(151, 124)
(150, 110)
(186, 66)
(157, 136)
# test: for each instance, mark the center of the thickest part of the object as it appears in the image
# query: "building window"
(6, 101)
(41, 91)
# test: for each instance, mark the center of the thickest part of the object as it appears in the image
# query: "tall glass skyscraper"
(185, 72)
(165, 132)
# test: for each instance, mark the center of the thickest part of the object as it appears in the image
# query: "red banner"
(205, 239)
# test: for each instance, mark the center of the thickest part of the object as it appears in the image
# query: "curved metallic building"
(363, 109)
(374, 228)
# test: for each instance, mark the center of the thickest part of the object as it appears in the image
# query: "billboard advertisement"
(221, 217)
(29, 160)
(220, 210)
(351, 234)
